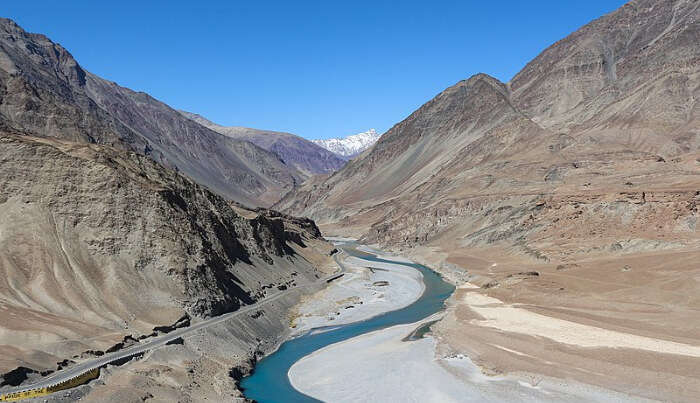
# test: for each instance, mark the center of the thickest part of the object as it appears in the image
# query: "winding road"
(83, 367)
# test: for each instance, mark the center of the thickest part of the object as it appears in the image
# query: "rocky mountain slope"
(306, 157)
(44, 92)
(625, 81)
(608, 111)
(350, 146)
(105, 237)
(81, 267)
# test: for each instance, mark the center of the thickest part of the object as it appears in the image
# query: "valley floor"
(389, 368)
(626, 323)
(449, 364)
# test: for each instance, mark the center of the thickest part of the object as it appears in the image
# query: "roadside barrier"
(67, 384)
(94, 373)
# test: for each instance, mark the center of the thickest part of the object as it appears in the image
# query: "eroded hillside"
(603, 123)
(96, 244)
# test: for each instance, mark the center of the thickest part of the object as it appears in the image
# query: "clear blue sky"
(315, 68)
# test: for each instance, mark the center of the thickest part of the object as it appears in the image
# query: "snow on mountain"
(350, 146)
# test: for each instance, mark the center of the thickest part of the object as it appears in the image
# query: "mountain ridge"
(120, 219)
(306, 157)
(350, 146)
(627, 136)
(45, 92)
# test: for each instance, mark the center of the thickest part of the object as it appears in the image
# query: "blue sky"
(318, 69)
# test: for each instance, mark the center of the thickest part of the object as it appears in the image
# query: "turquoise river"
(269, 382)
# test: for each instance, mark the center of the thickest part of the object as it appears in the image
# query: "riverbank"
(390, 368)
(270, 383)
(624, 323)
(484, 348)
(367, 289)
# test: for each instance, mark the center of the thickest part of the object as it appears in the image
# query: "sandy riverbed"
(387, 368)
(425, 370)
(625, 323)
(510, 318)
(367, 289)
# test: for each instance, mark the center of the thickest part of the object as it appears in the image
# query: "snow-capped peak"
(350, 146)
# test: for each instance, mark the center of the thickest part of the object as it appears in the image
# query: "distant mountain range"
(310, 157)
(350, 146)
(305, 156)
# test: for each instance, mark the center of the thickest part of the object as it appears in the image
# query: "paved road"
(71, 372)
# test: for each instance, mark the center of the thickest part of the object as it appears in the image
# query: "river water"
(270, 383)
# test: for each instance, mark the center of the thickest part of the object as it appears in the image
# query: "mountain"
(350, 146)
(306, 157)
(120, 220)
(97, 244)
(611, 109)
(624, 79)
(45, 92)
(425, 159)
(571, 191)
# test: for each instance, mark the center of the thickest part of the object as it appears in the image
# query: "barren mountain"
(44, 92)
(625, 81)
(609, 110)
(351, 146)
(308, 158)
(81, 267)
(572, 189)
(105, 238)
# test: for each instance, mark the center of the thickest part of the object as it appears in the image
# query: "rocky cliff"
(96, 243)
